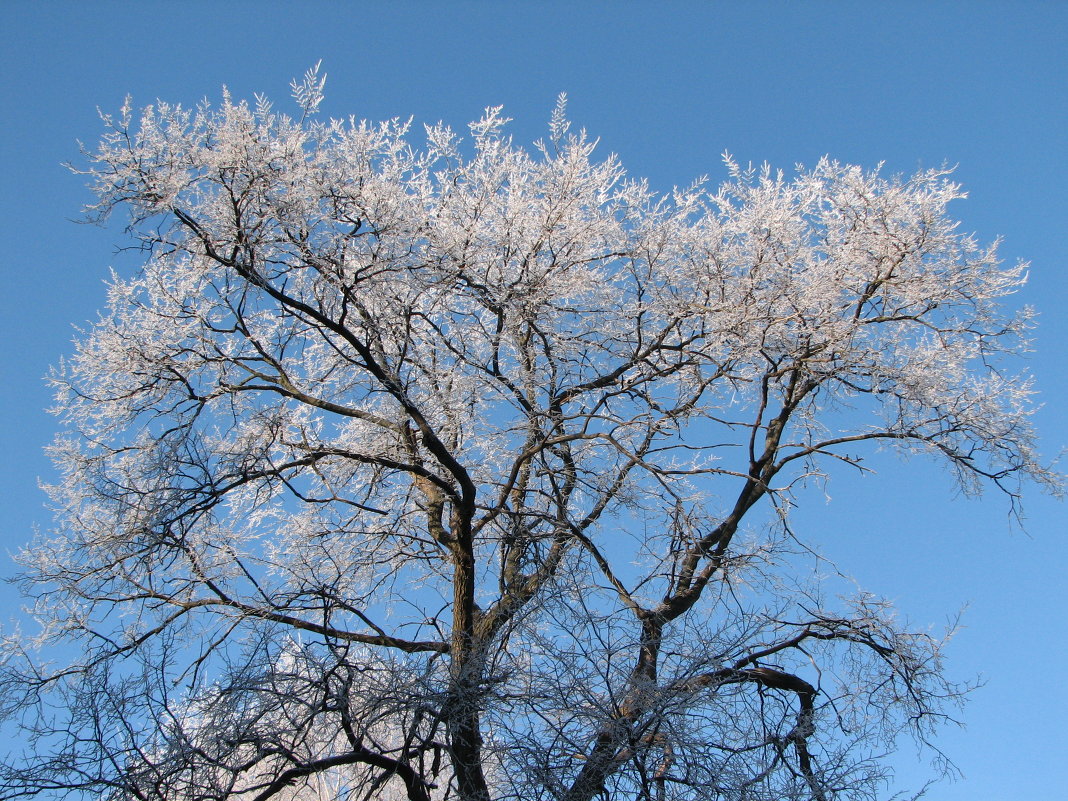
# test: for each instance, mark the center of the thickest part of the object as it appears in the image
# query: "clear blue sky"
(668, 86)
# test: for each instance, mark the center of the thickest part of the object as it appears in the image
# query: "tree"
(465, 471)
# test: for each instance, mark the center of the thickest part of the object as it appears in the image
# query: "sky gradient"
(669, 87)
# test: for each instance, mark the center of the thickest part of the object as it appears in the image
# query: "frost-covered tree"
(462, 471)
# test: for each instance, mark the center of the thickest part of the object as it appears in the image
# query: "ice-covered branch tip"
(309, 92)
(559, 124)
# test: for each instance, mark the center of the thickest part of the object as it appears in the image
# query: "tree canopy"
(464, 470)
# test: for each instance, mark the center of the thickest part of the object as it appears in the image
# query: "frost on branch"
(559, 124)
(460, 472)
(309, 92)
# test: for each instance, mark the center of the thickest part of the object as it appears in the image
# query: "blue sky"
(668, 86)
